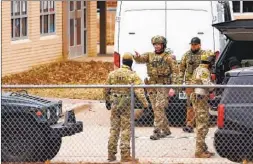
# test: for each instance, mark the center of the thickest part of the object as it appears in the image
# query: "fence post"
(132, 123)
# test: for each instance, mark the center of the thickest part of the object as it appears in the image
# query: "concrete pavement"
(91, 144)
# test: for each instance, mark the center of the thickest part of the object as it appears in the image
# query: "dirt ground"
(69, 72)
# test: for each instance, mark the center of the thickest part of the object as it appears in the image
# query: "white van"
(138, 21)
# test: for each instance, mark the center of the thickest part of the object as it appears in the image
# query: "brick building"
(243, 9)
(38, 32)
(35, 32)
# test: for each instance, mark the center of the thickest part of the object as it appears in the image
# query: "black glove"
(108, 105)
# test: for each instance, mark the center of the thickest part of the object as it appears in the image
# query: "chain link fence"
(40, 128)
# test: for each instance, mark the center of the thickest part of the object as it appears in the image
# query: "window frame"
(20, 16)
(241, 9)
(48, 13)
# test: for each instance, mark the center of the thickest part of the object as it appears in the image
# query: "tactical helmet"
(158, 40)
(127, 56)
(208, 56)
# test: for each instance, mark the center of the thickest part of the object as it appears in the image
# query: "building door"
(77, 28)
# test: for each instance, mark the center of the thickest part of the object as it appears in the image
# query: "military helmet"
(127, 56)
(207, 56)
(158, 40)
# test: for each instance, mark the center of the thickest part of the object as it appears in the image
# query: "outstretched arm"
(141, 58)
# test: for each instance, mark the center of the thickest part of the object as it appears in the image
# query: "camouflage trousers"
(190, 114)
(201, 107)
(120, 122)
(159, 101)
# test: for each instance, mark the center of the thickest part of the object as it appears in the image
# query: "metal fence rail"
(79, 128)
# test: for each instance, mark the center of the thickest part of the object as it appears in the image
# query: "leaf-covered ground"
(69, 72)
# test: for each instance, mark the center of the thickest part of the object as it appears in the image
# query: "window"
(247, 6)
(243, 6)
(18, 20)
(236, 6)
(47, 17)
(238, 95)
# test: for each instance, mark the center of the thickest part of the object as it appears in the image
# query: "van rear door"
(237, 30)
(184, 24)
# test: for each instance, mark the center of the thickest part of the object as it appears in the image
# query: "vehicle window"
(241, 50)
(238, 95)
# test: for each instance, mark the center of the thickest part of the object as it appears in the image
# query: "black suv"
(30, 131)
(234, 136)
(239, 44)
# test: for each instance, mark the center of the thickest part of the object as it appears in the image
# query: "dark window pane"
(71, 32)
(52, 24)
(45, 6)
(84, 3)
(78, 31)
(11, 8)
(84, 42)
(41, 24)
(236, 6)
(45, 23)
(51, 6)
(16, 7)
(78, 5)
(24, 7)
(71, 6)
(247, 6)
(24, 26)
(84, 18)
(17, 27)
(12, 28)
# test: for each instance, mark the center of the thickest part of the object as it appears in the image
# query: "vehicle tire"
(236, 159)
(176, 112)
(146, 119)
(48, 149)
(23, 140)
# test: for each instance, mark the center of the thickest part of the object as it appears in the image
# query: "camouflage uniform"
(189, 63)
(120, 111)
(199, 98)
(161, 69)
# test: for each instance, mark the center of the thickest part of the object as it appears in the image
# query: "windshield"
(238, 95)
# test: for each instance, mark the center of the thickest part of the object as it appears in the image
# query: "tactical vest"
(122, 76)
(157, 67)
(192, 61)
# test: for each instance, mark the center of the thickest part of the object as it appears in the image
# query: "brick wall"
(21, 55)
(92, 30)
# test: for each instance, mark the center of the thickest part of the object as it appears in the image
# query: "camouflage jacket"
(189, 63)
(202, 76)
(160, 67)
(124, 76)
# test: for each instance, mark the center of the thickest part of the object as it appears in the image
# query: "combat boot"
(165, 134)
(128, 159)
(211, 153)
(111, 157)
(188, 129)
(203, 155)
(156, 135)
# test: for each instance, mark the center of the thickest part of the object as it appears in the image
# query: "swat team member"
(234, 63)
(120, 99)
(199, 98)
(189, 62)
(161, 70)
